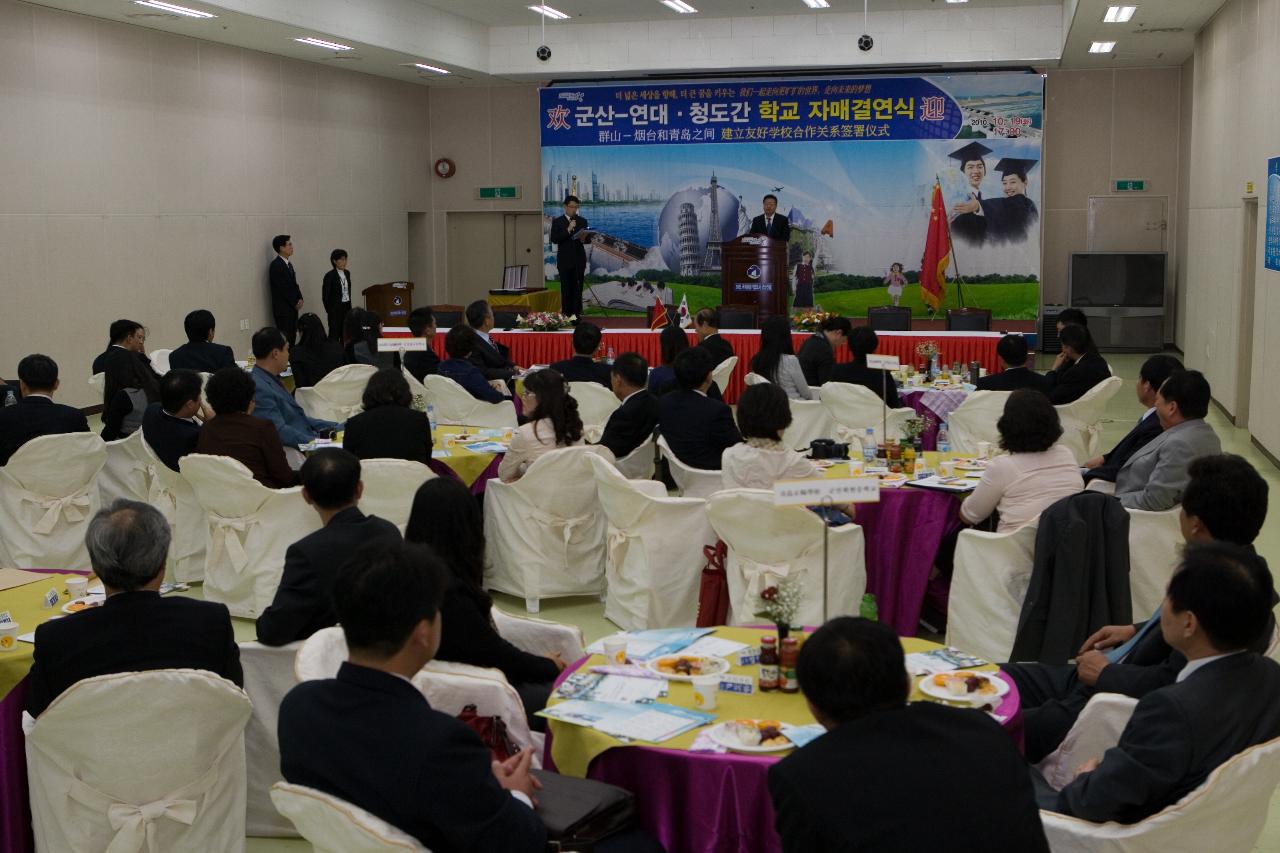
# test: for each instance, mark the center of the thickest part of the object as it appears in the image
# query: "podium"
(391, 301)
(754, 272)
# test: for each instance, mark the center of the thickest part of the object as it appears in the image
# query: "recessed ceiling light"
(330, 45)
(957, 1)
(680, 6)
(1119, 14)
(425, 67)
(817, 4)
(554, 14)
(1101, 46)
(177, 10)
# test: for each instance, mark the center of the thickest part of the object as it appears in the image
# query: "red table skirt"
(547, 347)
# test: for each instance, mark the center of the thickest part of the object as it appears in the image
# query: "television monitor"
(1117, 279)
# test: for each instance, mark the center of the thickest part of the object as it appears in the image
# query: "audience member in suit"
(493, 358)
(135, 629)
(389, 428)
(236, 432)
(130, 383)
(273, 401)
(371, 738)
(286, 296)
(862, 343)
(1154, 477)
(856, 788)
(315, 356)
(303, 603)
(672, 341)
(771, 223)
(124, 334)
(1226, 501)
(35, 414)
(200, 353)
(697, 428)
(1077, 368)
(764, 414)
(553, 422)
(818, 354)
(446, 518)
(632, 423)
(1154, 372)
(170, 427)
(583, 366)
(336, 292)
(422, 324)
(1071, 317)
(1224, 700)
(706, 325)
(459, 344)
(777, 363)
(1012, 350)
(362, 331)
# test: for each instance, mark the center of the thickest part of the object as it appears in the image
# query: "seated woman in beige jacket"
(553, 422)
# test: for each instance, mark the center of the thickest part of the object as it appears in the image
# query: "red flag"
(828, 230)
(937, 254)
(659, 314)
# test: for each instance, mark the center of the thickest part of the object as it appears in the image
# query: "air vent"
(344, 57)
(152, 16)
(1154, 30)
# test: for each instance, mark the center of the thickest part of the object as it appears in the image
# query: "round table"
(474, 469)
(707, 802)
(937, 404)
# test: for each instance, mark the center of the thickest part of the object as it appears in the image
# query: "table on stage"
(702, 802)
(544, 301)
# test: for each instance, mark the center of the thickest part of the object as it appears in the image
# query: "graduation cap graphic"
(1016, 166)
(972, 151)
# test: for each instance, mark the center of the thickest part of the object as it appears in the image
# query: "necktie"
(768, 225)
(1120, 652)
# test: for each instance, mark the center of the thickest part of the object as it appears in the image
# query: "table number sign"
(883, 362)
(818, 491)
(744, 684)
(746, 657)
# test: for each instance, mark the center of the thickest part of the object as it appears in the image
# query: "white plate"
(928, 688)
(95, 600)
(719, 666)
(975, 465)
(720, 736)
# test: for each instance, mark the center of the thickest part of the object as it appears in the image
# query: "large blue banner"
(1271, 251)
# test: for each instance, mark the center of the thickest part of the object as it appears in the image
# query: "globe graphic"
(700, 198)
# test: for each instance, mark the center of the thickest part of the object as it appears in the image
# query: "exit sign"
(491, 193)
(1131, 186)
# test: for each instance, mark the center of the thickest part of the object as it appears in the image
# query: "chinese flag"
(659, 314)
(937, 254)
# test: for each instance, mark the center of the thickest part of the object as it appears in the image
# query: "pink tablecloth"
(934, 404)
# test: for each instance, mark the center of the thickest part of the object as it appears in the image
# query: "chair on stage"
(855, 408)
(1082, 419)
(595, 402)
(389, 488)
(889, 318)
(739, 316)
(974, 420)
(989, 583)
(505, 318)
(333, 825)
(48, 495)
(455, 406)
(339, 395)
(448, 316)
(968, 319)
(692, 482)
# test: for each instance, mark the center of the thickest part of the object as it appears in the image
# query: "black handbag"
(579, 813)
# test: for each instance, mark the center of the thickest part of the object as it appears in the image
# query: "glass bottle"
(769, 664)
(788, 683)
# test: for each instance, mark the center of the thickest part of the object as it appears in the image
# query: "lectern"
(754, 272)
(391, 301)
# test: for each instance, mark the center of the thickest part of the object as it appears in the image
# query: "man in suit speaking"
(286, 297)
(571, 258)
(771, 223)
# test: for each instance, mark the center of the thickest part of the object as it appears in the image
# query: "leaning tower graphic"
(711, 260)
(688, 240)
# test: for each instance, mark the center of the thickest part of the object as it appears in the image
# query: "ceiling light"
(431, 68)
(554, 14)
(817, 4)
(957, 1)
(331, 45)
(177, 10)
(1119, 14)
(1101, 46)
(680, 6)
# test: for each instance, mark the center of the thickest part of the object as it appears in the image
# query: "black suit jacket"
(856, 788)
(285, 293)
(856, 372)
(468, 636)
(127, 369)
(816, 359)
(372, 739)
(570, 253)
(719, 348)
(583, 368)
(32, 417)
(389, 432)
(315, 361)
(303, 604)
(631, 424)
(202, 356)
(1072, 381)
(422, 364)
(1143, 431)
(1177, 736)
(132, 632)
(1012, 379)
(493, 359)
(697, 428)
(781, 229)
(331, 293)
(171, 438)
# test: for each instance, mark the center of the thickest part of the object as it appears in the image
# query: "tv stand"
(1120, 329)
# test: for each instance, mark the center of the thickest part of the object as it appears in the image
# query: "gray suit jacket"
(1155, 476)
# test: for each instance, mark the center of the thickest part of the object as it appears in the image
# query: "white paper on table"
(652, 726)
(643, 645)
(945, 659)
(440, 453)
(613, 688)
(653, 723)
(713, 647)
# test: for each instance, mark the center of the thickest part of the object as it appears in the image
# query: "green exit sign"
(492, 193)
(1131, 186)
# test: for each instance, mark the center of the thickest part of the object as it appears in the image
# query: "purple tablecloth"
(15, 808)
(935, 404)
(477, 488)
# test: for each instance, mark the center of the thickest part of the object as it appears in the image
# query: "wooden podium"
(753, 271)
(391, 301)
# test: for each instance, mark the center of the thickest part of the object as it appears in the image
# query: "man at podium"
(771, 223)
(567, 234)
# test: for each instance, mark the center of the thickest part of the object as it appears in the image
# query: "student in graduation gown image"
(968, 219)
(1011, 217)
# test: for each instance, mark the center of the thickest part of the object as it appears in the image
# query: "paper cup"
(947, 468)
(615, 650)
(984, 449)
(77, 587)
(857, 467)
(9, 637)
(705, 688)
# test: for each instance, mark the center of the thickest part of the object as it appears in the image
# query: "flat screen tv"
(1117, 279)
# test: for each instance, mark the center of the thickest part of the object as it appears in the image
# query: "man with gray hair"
(134, 629)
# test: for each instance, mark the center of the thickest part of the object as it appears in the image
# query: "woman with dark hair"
(315, 356)
(388, 428)
(776, 360)
(361, 333)
(336, 291)
(672, 341)
(446, 517)
(764, 413)
(553, 422)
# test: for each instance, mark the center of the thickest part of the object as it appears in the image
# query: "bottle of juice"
(769, 664)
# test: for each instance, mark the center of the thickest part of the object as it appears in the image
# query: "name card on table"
(402, 345)
(749, 655)
(883, 362)
(853, 490)
(737, 684)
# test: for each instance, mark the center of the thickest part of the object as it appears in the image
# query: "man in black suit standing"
(856, 787)
(135, 629)
(567, 231)
(35, 414)
(771, 223)
(200, 353)
(632, 423)
(492, 357)
(862, 343)
(304, 600)
(818, 354)
(1077, 368)
(583, 366)
(1012, 350)
(336, 293)
(286, 296)
(1154, 372)
(697, 428)
(169, 426)
(422, 324)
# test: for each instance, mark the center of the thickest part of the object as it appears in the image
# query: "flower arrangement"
(544, 321)
(917, 426)
(928, 350)
(780, 603)
(809, 321)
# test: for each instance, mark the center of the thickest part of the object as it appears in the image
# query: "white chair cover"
(638, 464)
(140, 761)
(454, 405)
(160, 360)
(974, 420)
(545, 532)
(595, 402)
(855, 408)
(810, 419)
(338, 395)
(170, 493)
(128, 471)
(768, 543)
(333, 825)
(98, 382)
(692, 482)
(48, 495)
(268, 676)
(1155, 546)
(654, 560)
(1081, 420)
(992, 572)
(416, 388)
(1096, 730)
(389, 487)
(753, 378)
(540, 636)
(723, 372)
(248, 529)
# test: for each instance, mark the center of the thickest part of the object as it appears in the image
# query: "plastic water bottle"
(869, 446)
(431, 416)
(944, 439)
(608, 358)
(869, 609)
